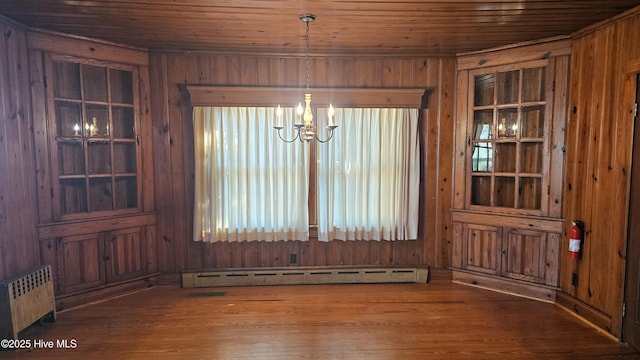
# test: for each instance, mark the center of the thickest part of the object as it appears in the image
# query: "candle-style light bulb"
(299, 111)
(331, 113)
(279, 117)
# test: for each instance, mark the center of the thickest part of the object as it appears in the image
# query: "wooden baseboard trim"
(303, 276)
(440, 276)
(585, 312)
(69, 301)
(168, 279)
(508, 286)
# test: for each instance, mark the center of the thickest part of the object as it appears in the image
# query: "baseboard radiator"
(25, 299)
(302, 276)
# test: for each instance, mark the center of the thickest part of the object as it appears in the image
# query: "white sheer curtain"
(249, 185)
(369, 175)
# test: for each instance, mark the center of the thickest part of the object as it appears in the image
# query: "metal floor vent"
(302, 275)
(207, 294)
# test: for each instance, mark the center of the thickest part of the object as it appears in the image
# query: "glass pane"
(95, 105)
(123, 122)
(68, 119)
(94, 79)
(73, 196)
(506, 157)
(533, 121)
(482, 157)
(124, 158)
(505, 191)
(67, 80)
(121, 86)
(507, 123)
(533, 84)
(100, 194)
(484, 88)
(71, 158)
(126, 192)
(481, 190)
(482, 123)
(508, 87)
(530, 193)
(99, 157)
(531, 161)
(97, 124)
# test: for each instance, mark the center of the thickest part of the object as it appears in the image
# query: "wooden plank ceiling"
(349, 27)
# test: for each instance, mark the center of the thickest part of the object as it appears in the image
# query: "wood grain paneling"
(599, 143)
(173, 143)
(433, 28)
(19, 248)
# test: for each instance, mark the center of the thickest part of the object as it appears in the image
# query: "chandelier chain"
(307, 54)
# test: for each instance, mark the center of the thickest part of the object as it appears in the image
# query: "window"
(507, 138)
(368, 176)
(250, 185)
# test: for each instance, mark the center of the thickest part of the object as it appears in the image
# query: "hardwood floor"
(390, 321)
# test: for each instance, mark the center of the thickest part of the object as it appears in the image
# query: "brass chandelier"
(305, 129)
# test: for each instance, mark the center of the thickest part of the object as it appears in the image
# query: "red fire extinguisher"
(575, 240)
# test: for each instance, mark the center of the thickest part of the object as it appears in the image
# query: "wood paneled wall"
(173, 144)
(18, 212)
(598, 159)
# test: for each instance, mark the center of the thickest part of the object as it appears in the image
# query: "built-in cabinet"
(83, 261)
(514, 253)
(507, 248)
(96, 219)
(511, 111)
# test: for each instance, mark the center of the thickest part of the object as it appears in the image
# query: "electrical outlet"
(574, 279)
(293, 258)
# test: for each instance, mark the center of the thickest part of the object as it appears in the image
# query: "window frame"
(111, 140)
(268, 96)
(495, 107)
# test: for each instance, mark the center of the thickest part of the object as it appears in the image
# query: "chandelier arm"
(288, 141)
(328, 139)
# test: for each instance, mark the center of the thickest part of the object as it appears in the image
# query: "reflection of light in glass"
(514, 129)
(76, 129)
(502, 127)
(93, 128)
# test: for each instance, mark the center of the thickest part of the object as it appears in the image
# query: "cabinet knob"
(503, 252)
(105, 257)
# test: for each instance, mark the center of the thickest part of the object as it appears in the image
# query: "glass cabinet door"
(507, 138)
(96, 136)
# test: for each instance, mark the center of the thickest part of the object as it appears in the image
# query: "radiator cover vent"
(302, 275)
(24, 299)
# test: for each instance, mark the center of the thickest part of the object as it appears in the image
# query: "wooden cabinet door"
(530, 256)
(125, 254)
(481, 248)
(78, 263)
